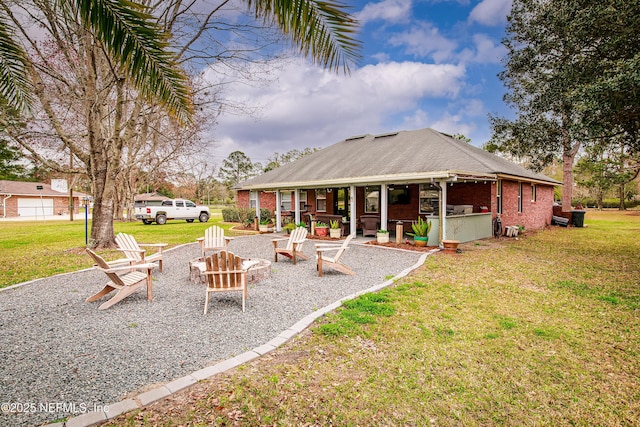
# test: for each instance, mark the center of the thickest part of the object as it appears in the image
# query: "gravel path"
(61, 352)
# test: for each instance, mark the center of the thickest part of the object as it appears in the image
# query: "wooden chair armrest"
(121, 261)
(229, 237)
(200, 239)
(131, 250)
(149, 266)
(154, 245)
(328, 249)
(328, 245)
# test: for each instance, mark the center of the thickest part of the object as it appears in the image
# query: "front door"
(341, 202)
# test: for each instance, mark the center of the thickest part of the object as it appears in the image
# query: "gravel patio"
(62, 356)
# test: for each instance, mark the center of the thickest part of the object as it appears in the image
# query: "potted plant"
(451, 245)
(421, 231)
(322, 228)
(334, 229)
(265, 225)
(382, 236)
(288, 228)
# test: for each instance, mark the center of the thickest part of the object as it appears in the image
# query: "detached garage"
(36, 200)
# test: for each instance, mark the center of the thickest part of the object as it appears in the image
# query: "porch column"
(278, 211)
(296, 196)
(443, 211)
(257, 203)
(352, 210)
(384, 208)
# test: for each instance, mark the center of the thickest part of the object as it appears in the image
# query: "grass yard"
(33, 249)
(539, 331)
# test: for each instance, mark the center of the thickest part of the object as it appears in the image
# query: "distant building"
(37, 199)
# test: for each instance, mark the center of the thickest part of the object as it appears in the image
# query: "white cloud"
(311, 107)
(491, 12)
(485, 51)
(424, 40)
(393, 11)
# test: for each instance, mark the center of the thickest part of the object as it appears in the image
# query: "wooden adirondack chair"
(334, 261)
(128, 245)
(124, 284)
(225, 274)
(213, 240)
(293, 249)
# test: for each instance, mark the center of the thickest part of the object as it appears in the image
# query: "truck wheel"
(147, 221)
(190, 220)
(161, 219)
(203, 217)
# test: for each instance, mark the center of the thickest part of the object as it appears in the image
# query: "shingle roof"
(22, 188)
(403, 156)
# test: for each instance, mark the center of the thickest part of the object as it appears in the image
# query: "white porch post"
(296, 195)
(258, 204)
(443, 211)
(352, 210)
(384, 212)
(278, 212)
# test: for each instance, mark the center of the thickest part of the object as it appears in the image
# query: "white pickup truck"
(162, 210)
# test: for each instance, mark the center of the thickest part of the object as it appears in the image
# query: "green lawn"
(33, 249)
(539, 331)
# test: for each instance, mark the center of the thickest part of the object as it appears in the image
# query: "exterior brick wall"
(535, 215)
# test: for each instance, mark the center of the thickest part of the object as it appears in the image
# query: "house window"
(321, 200)
(519, 197)
(499, 196)
(372, 199)
(253, 199)
(285, 200)
(303, 200)
(428, 199)
(534, 189)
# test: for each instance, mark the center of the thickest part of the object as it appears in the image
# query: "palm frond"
(15, 86)
(322, 30)
(132, 37)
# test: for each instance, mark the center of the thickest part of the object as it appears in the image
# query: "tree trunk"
(622, 205)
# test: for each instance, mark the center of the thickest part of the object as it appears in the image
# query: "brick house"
(399, 176)
(36, 199)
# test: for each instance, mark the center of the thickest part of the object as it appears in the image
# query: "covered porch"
(459, 206)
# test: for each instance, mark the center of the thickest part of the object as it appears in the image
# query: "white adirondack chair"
(213, 240)
(324, 259)
(293, 249)
(224, 273)
(128, 245)
(125, 284)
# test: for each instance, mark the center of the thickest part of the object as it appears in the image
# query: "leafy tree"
(125, 30)
(607, 166)
(569, 64)
(278, 159)
(10, 169)
(237, 167)
(84, 103)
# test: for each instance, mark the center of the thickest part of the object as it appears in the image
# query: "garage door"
(35, 208)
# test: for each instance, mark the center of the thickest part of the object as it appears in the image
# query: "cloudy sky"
(426, 63)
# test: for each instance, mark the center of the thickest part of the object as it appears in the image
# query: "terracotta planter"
(334, 233)
(322, 231)
(382, 237)
(420, 241)
(450, 246)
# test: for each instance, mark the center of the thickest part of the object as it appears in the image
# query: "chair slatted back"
(129, 246)
(102, 264)
(297, 236)
(214, 237)
(345, 243)
(227, 269)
